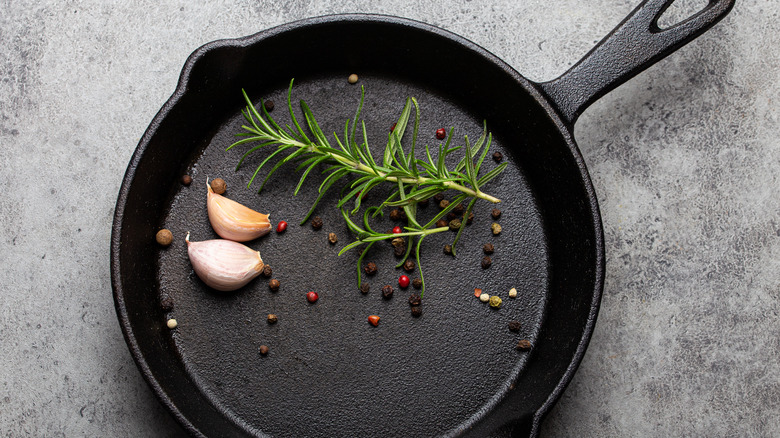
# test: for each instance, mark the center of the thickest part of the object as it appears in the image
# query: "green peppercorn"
(495, 301)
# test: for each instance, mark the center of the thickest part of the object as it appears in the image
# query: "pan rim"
(246, 41)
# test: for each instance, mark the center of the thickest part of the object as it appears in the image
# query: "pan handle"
(635, 44)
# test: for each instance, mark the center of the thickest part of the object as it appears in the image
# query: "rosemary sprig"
(414, 179)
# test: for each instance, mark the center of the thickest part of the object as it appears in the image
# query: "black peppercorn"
(263, 349)
(416, 311)
(444, 204)
(370, 268)
(486, 262)
(417, 283)
(272, 318)
(524, 344)
(399, 246)
(218, 185)
(437, 198)
(423, 202)
(455, 224)
(441, 223)
(409, 266)
(497, 157)
(269, 105)
(274, 285)
(448, 249)
(414, 300)
(395, 215)
(495, 213)
(459, 209)
(166, 304)
(316, 223)
(365, 288)
(514, 326)
(267, 271)
(186, 180)
(488, 248)
(387, 292)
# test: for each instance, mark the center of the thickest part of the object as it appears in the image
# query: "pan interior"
(328, 372)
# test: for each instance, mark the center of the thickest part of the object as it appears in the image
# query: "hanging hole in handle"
(680, 11)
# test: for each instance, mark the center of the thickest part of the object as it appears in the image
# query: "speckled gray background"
(684, 159)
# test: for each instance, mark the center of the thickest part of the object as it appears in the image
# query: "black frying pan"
(454, 371)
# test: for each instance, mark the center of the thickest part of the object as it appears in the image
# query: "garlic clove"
(234, 221)
(224, 265)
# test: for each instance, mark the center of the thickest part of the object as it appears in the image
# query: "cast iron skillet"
(452, 372)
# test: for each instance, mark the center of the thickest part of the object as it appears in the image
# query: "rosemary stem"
(419, 180)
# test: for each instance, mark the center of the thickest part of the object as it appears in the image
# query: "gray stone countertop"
(684, 159)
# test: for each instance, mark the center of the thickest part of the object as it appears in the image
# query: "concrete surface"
(684, 159)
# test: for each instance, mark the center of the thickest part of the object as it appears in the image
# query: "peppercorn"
(274, 285)
(392, 128)
(269, 105)
(524, 344)
(486, 262)
(444, 204)
(186, 180)
(400, 250)
(164, 237)
(403, 281)
(316, 223)
(488, 248)
(423, 202)
(218, 185)
(281, 227)
(370, 268)
(332, 238)
(484, 297)
(312, 296)
(373, 320)
(495, 213)
(512, 293)
(441, 223)
(514, 326)
(437, 198)
(448, 249)
(497, 157)
(451, 216)
(495, 301)
(416, 311)
(441, 133)
(409, 266)
(459, 209)
(267, 271)
(477, 292)
(415, 300)
(387, 292)
(263, 350)
(166, 304)
(455, 224)
(352, 79)
(272, 318)
(417, 283)
(365, 288)
(397, 230)
(397, 214)
(496, 229)
(172, 324)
